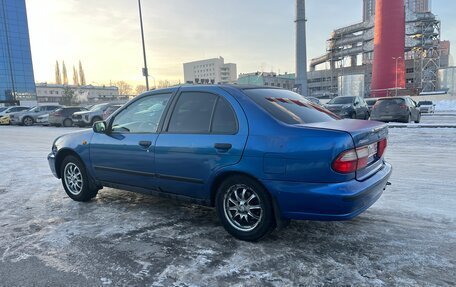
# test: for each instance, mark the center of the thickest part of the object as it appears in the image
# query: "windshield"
(425, 103)
(97, 107)
(3, 109)
(371, 102)
(289, 107)
(341, 101)
(33, 109)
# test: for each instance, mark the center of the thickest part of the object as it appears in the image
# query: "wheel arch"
(61, 155)
(279, 221)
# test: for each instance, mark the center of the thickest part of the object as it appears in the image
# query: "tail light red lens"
(356, 159)
(382, 147)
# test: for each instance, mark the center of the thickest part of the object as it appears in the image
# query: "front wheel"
(245, 208)
(75, 180)
(67, 123)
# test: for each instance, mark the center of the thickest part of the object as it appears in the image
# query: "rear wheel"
(75, 180)
(418, 119)
(245, 208)
(67, 123)
(27, 121)
(409, 118)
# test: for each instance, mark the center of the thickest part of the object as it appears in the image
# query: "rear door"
(206, 131)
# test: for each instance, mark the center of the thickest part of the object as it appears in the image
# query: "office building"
(209, 71)
(17, 83)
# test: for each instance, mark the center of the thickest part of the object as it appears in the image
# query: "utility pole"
(144, 70)
(301, 52)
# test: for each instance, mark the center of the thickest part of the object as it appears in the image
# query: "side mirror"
(99, 127)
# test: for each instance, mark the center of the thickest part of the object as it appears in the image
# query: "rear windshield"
(341, 101)
(389, 103)
(289, 107)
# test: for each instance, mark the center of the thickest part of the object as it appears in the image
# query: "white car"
(43, 120)
(14, 109)
(426, 107)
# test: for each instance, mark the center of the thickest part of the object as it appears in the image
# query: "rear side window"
(224, 121)
(192, 113)
(289, 107)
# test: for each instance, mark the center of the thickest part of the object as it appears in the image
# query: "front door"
(206, 131)
(125, 154)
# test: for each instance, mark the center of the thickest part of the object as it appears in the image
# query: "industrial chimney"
(301, 53)
(388, 71)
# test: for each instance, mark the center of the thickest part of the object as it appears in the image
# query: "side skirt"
(156, 192)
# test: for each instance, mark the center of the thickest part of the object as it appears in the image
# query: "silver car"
(28, 118)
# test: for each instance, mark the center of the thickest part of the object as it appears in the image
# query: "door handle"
(145, 144)
(223, 146)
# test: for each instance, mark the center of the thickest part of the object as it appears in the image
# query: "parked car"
(90, 116)
(5, 120)
(349, 107)
(370, 103)
(12, 109)
(261, 156)
(29, 117)
(63, 116)
(110, 110)
(314, 100)
(43, 120)
(396, 109)
(426, 107)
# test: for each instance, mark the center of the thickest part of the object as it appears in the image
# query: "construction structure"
(350, 51)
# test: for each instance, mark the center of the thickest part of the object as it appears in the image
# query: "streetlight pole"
(144, 70)
(396, 59)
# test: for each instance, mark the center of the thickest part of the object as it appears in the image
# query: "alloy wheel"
(242, 207)
(73, 178)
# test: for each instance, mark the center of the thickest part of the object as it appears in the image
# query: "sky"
(257, 35)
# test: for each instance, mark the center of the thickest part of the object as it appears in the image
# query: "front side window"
(142, 116)
(192, 113)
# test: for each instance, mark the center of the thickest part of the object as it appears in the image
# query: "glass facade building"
(17, 82)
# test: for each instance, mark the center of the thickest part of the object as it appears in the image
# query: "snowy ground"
(407, 238)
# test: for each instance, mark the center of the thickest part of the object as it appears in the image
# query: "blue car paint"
(293, 162)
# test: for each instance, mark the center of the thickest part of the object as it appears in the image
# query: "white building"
(52, 93)
(210, 71)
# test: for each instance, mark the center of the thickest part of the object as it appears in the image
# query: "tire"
(353, 116)
(96, 119)
(67, 123)
(245, 208)
(409, 119)
(367, 116)
(73, 172)
(28, 121)
(418, 120)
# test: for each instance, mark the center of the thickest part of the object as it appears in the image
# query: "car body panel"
(293, 162)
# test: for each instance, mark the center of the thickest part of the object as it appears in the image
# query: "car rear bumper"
(328, 201)
(51, 161)
(386, 118)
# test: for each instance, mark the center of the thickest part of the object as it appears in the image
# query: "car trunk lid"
(364, 134)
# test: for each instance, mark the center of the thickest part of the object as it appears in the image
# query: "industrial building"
(17, 83)
(350, 53)
(208, 71)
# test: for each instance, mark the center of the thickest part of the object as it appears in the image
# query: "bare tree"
(64, 73)
(140, 89)
(58, 76)
(163, 84)
(82, 79)
(125, 89)
(75, 77)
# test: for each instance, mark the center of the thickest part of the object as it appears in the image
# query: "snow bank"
(445, 105)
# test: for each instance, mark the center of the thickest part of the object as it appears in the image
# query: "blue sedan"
(260, 155)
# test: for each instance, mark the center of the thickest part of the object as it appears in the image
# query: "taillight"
(382, 147)
(356, 159)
